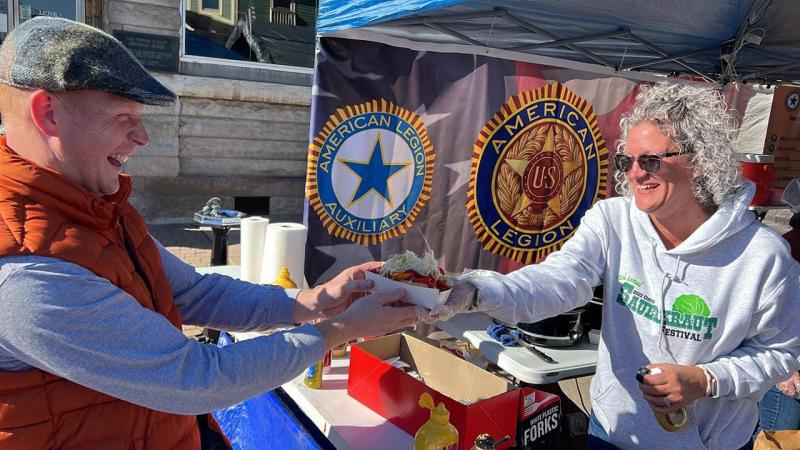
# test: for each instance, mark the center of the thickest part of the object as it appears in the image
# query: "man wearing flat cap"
(91, 350)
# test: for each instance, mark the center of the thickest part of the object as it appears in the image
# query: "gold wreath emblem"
(536, 164)
(527, 213)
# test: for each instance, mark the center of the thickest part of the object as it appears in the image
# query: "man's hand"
(460, 299)
(369, 316)
(674, 387)
(333, 297)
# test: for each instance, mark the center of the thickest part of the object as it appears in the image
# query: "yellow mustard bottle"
(437, 433)
(284, 279)
(313, 377)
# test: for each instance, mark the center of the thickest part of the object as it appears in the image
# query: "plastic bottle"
(339, 351)
(327, 361)
(284, 279)
(673, 421)
(437, 433)
(313, 378)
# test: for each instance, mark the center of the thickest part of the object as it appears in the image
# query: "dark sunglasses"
(650, 163)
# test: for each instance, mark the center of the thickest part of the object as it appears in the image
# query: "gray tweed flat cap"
(59, 55)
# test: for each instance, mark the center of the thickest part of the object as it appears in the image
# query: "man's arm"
(224, 303)
(61, 318)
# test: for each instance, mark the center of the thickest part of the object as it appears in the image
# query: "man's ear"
(42, 106)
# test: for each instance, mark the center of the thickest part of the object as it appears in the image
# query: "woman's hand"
(461, 298)
(674, 387)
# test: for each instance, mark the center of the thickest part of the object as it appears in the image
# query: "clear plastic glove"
(460, 300)
(791, 387)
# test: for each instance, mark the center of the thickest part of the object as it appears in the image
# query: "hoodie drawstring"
(666, 279)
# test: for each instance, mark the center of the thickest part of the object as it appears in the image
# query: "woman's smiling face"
(665, 193)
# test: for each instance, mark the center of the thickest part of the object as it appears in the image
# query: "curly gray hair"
(696, 119)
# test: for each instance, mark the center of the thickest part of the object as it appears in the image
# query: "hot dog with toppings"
(407, 267)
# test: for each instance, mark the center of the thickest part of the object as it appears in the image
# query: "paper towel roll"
(254, 232)
(285, 245)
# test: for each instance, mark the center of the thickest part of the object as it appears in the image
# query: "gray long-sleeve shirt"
(64, 319)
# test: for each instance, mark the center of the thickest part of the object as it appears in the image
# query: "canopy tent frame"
(531, 27)
(757, 10)
(456, 21)
(575, 40)
(677, 58)
(759, 75)
(622, 33)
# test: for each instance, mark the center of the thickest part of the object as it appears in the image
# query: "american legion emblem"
(537, 166)
(370, 171)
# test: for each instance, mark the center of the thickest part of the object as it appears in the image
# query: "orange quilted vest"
(45, 214)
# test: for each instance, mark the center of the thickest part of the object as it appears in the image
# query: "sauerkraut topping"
(410, 268)
(401, 262)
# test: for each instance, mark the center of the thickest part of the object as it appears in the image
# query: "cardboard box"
(418, 295)
(478, 401)
(539, 419)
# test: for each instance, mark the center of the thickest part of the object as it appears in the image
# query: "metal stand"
(210, 336)
(221, 221)
(219, 252)
(219, 257)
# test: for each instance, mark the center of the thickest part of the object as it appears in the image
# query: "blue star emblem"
(374, 173)
(793, 100)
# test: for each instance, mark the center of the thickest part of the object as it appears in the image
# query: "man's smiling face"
(98, 132)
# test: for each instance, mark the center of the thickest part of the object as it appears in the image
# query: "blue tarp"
(263, 421)
(336, 15)
(724, 40)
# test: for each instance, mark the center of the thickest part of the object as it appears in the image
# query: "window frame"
(291, 7)
(5, 24)
(217, 10)
(220, 62)
(14, 9)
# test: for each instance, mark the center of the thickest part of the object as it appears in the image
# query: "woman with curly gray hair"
(700, 298)
(695, 121)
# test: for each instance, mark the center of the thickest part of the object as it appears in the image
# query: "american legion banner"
(489, 162)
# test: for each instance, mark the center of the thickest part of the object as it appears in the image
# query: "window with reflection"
(210, 4)
(3, 19)
(29, 9)
(268, 31)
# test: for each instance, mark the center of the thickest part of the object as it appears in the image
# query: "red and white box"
(478, 401)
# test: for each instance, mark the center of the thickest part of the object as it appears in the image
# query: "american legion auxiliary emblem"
(370, 171)
(537, 166)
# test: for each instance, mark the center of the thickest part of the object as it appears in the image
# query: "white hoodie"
(730, 297)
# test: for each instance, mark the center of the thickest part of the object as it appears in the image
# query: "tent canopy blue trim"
(724, 40)
(338, 15)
